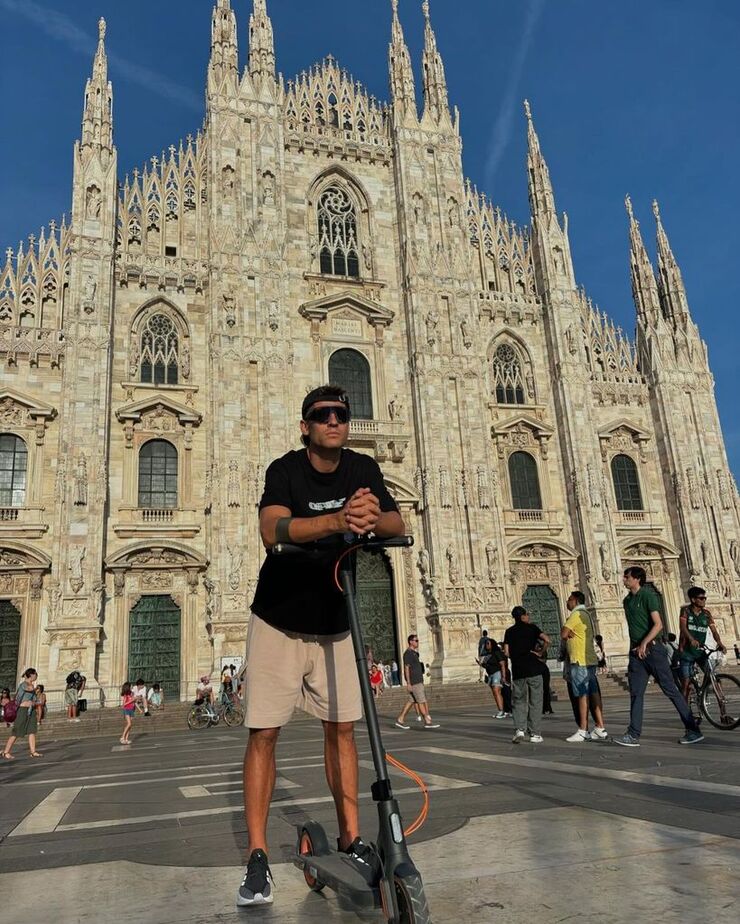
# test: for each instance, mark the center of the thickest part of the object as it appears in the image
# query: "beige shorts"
(317, 673)
(417, 693)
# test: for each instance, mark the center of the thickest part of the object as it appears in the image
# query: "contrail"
(65, 30)
(502, 128)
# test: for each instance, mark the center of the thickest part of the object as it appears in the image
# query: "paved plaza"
(154, 834)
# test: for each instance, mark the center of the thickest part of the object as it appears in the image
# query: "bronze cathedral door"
(376, 605)
(154, 643)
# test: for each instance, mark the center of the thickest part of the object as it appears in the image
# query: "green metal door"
(541, 602)
(10, 637)
(154, 643)
(375, 604)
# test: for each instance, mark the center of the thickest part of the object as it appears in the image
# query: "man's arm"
(389, 525)
(653, 633)
(301, 529)
(407, 674)
(683, 631)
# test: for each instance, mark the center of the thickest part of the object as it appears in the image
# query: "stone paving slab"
(562, 863)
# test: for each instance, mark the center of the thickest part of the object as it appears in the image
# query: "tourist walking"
(494, 661)
(579, 639)
(128, 705)
(26, 721)
(648, 659)
(413, 672)
(520, 641)
(40, 704)
(695, 621)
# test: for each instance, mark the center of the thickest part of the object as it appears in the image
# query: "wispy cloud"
(63, 29)
(504, 124)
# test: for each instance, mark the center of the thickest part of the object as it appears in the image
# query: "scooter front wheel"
(313, 843)
(411, 900)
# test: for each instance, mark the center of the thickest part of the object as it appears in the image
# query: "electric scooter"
(399, 889)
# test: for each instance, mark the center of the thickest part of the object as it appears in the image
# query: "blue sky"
(638, 96)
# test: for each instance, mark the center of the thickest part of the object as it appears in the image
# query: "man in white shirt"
(141, 701)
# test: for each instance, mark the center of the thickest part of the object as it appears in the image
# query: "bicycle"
(204, 714)
(717, 695)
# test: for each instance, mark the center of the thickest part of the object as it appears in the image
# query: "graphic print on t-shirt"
(328, 505)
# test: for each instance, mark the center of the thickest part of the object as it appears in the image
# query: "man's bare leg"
(259, 783)
(342, 775)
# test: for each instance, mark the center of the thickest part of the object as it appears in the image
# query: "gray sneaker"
(691, 737)
(256, 887)
(627, 741)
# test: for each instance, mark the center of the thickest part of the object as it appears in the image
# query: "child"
(5, 700)
(156, 697)
(40, 703)
(600, 653)
(129, 706)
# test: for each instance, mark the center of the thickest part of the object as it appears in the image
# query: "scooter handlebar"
(396, 542)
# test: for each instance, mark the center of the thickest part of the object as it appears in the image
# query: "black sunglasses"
(322, 414)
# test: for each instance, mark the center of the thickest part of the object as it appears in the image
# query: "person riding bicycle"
(695, 621)
(299, 648)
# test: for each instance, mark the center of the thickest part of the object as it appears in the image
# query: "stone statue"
(461, 488)
(491, 556)
(81, 481)
(88, 294)
(432, 320)
(55, 601)
(273, 315)
(467, 338)
(735, 555)
(235, 567)
(98, 596)
(229, 307)
(93, 202)
(484, 499)
(395, 408)
(185, 361)
(425, 564)
(452, 566)
(707, 561)
(213, 600)
(606, 568)
(269, 189)
(76, 557)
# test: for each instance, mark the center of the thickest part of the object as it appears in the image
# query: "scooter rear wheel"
(411, 900)
(313, 843)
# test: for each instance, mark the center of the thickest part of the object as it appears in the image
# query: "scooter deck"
(338, 874)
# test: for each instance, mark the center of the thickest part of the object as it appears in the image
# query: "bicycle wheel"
(412, 902)
(198, 718)
(233, 716)
(720, 702)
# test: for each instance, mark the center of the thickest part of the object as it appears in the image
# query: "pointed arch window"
(158, 475)
(626, 483)
(337, 221)
(351, 370)
(524, 482)
(159, 351)
(13, 470)
(508, 378)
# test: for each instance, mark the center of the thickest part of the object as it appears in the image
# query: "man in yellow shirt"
(578, 634)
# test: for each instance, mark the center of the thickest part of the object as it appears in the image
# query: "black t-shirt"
(416, 668)
(522, 639)
(298, 594)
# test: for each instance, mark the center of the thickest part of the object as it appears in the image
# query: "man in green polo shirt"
(695, 621)
(648, 659)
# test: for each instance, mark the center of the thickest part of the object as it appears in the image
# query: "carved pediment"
(155, 409)
(17, 557)
(622, 435)
(20, 410)
(144, 555)
(348, 301)
(521, 432)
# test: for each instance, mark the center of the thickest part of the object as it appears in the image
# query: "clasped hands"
(361, 512)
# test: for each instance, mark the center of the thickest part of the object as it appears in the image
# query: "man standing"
(413, 672)
(520, 641)
(578, 634)
(299, 649)
(694, 621)
(75, 684)
(646, 659)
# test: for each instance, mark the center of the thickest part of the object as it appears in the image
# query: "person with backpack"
(494, 663)
(75, 685)
(25, 723)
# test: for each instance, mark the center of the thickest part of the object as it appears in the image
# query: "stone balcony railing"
(133, 522)
(639, 519)
(22, 522)
(389, 439)
(543, 520)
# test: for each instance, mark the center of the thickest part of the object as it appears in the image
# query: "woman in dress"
(26, 722)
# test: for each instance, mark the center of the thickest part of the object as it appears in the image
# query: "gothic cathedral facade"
(156, 349)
